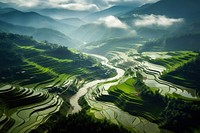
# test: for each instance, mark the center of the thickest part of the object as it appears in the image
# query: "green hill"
(40, 34)
(174, 43)
(170, 8)
(25, 61)
(33, 19)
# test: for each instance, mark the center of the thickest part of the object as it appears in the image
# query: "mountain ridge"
(169, 8)
(114, 10)
(35, 20)
(40, 34)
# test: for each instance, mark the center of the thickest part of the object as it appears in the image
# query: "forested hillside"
(25, 61)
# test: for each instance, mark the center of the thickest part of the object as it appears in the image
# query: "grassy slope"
(116, 44)
(128, 96)
(189, 41)
(26, 62)
(79, 122)
(187, 75)
(177, 60)
(171, 112)
(182, 68)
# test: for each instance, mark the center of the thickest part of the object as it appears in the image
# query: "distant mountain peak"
(3, 5)
(114, 10)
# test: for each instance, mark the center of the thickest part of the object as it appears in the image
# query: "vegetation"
(181, 115)
(136, 98)
(78, 122)
(46, 70)
(105, 46)
(37, 79)
(187, 75)
(171, 112)
(22, 104)
(25, 61)
(175, 43)
(177, 60)
(182, 68)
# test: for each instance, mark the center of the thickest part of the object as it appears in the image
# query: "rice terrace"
(123, 66)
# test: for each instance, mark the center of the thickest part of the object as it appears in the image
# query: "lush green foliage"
(18, 104)
(136, 98)
(182, 68)
(181, 115)
(115, 44)
(171, 112)
(79, 122)
(175, 43)
(177, 60)
(187, 75)
(25, 61)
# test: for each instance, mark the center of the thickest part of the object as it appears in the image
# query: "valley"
(99, 66)
(109, 99)
(130, 92)
(46, 80)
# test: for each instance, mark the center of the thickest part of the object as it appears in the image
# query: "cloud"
(80, 7)
(27, 3)
(155, 20)
(112, 22)
(92, 5)
(129, 2)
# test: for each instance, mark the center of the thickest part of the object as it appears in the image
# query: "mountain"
(186, 42)
(178, 36)
(103, 47)
(41, 34)
(54, 36)
(187, 10)
(12, 4)
(32, 74)
(7, 27)
(59, 13)
(170, 8)
(187, 29)
(17, 50)
(148, 32)
(114, 10)
(186, 37)
(33, 19)
(95, 32)
(77, 22)
(7, 10)
(3, 5)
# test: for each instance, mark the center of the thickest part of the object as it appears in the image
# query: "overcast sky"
(91, 5)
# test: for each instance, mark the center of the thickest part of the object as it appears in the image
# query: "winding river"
(107, 110)
(82, 91)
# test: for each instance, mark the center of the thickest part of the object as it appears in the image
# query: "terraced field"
(36, 63)
(42, 73)
(38, 78)
(183, 83)
(154, 64)
(121, 102)
(43, 69)
(174, 60)
(24, 109)
(106, 109)
(151, 79)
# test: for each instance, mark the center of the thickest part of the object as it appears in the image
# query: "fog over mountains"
(78, 5)
(100, 66)
(81, 22)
